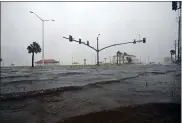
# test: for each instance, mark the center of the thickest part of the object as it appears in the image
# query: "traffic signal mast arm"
(89, 46)
(97, 50)
(119, 44)
(114, 45)
(82, 43)
(144, 41)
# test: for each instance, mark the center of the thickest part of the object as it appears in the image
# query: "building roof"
(131, 55)
(75, 63)
(47, 61)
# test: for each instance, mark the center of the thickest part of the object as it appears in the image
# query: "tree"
(118, 56)
(129, 59)
(172, 53)
(33, 48)
(125, 54)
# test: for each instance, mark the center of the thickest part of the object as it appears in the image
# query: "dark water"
(55, 93)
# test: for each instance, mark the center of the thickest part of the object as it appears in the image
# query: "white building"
(123, 59)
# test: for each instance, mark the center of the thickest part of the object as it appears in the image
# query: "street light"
(42, 33)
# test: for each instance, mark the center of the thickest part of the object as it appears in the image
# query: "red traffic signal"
(79, 41)
(70, 38)
(144, 40)
(174, 5)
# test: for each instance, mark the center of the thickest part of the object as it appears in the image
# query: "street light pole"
(42, 42)
(72, 60)
(176, 5)
(179, 37)
(42, 33)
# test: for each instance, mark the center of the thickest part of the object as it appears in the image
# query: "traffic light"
(179, 5)
(70, 38)
(144, 40)
(134, 42)
(79, 41)
(174, 5)
(88, 43)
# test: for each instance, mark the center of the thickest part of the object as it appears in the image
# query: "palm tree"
(33, 48)
(118, 56)
(129, 59)
(172, 53)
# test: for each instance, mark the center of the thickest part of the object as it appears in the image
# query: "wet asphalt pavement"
(99, 89)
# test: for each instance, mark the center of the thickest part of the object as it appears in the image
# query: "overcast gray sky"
(116, 22)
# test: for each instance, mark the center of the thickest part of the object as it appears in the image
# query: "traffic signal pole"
(97, 50)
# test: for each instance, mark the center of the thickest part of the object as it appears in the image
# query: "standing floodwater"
(76, 91)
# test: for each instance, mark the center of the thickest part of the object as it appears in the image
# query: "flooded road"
(51, 94)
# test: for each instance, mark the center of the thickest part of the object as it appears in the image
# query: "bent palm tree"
(172, 53)
(118, 57)
(129, 59)
(125, 54)
(33, 48)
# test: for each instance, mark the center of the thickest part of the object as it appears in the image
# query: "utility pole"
(175, 48)
(176, 5)
(179, 43)
(179, 36)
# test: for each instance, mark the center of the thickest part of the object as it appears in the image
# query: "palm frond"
(172, 52)
(34, 48)
(30, 50)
